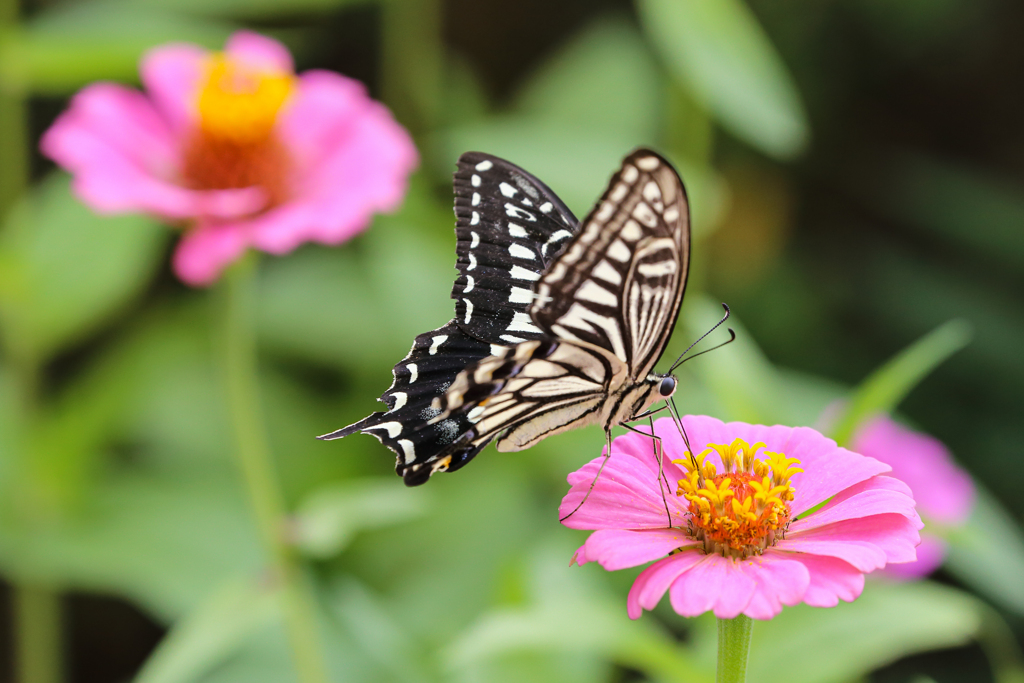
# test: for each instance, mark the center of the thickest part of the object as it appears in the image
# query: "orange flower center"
(234, 144)
(743, 510)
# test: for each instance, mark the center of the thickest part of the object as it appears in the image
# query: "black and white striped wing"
(619, 283)
(510, 227)
(434, 361)
(531, 391)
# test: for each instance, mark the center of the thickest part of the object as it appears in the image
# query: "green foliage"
(887, 386)
(65, 270)
(718, 49)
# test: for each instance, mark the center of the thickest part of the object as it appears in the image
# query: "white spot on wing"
(400, 398)
(438, 340)
(519, 251)
(648, 163)
(652, 192)
(414, 372)
(472, 262)
(657, 269)
(484, 166)
(591, 291)
(474, 219)
(469, 310)
(393, 428)
(497, 350)
(520, 273)
(619, 251)
(629, 173)
(408, 450)
(671, 214)
(507, 189)
(619, 192)
(475, 239)
(607, 272)
(631, 231)
(516, 230)
(469, 284)
(475, 180)
(476, 198)
(521, 322)
(546, 207)
(512, 338)
(520, 295)
(475, 414)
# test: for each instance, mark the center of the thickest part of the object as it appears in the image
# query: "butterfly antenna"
(701, 338)
(732, 338)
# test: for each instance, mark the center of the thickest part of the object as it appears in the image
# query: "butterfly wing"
(608, 301)
(510, 227)
(619, 283)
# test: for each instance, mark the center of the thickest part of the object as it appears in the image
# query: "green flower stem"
(37, 613)
(733, 648)
(36, 609)
(258, 470)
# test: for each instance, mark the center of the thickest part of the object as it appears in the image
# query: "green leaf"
(603, 77)
(718, 49)
(327, 519)
(64, 271)
(887, 622)
(212, 633)
(987, 553)
(883, 390)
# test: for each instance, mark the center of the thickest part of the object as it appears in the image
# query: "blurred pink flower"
(943, 491)
(741, 539)
(236, 147)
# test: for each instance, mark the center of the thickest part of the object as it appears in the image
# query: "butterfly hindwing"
(509, 227)
(619, 282)
(433, 362)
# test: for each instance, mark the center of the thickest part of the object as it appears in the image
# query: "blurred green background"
(856, 172)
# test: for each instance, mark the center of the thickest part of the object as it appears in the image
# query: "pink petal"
(652, 583)
(120, 152)
(894, 535)
(320, 116)
(171, 74)
(863, 504)
(260, 51)
(930, 555)
(359, 167)
(943, 491)
(778, 580)
(621, 548)
(626, 495)
(206, 250)
(865, 556)
(715, 584)
(831, 580)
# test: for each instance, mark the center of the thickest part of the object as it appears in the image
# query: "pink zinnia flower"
(237, 148)
(742, 540)
(943, 491)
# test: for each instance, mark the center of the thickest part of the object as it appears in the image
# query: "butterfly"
(558, 324)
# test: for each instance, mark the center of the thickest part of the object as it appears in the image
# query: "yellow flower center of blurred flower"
(234, 144)
(744, 509)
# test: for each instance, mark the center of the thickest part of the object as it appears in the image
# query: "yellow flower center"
(234, 144)
(239, 101)
(744, 509)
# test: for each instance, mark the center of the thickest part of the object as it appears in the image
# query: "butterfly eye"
(668, 386)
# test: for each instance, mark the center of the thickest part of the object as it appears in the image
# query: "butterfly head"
(666, 385)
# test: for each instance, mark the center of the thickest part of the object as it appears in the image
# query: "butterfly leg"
(608, 454)
(653, 411)
(659, 454)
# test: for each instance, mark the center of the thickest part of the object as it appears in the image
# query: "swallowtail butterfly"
(558, 324)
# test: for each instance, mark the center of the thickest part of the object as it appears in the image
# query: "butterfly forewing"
(619, 283)
(509, 227)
